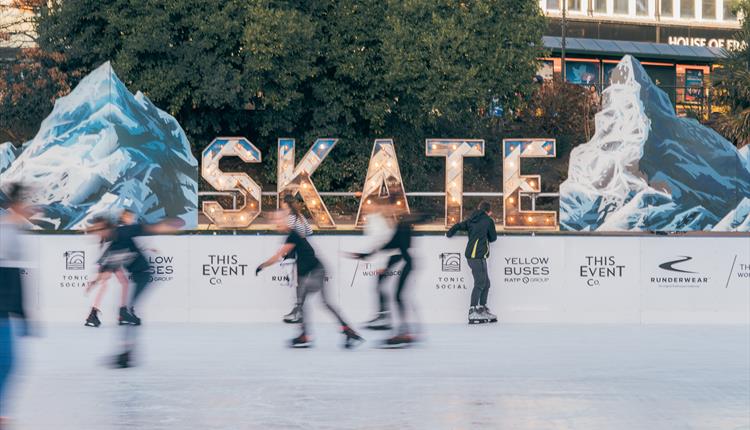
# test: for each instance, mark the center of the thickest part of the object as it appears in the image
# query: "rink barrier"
(535, 279)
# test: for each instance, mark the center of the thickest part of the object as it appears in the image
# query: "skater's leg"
(125, 284)
(486, 289)
(303, 291)
(318, 280)
(6, 359)
(400, 302)
(479, 273)
(102, 290)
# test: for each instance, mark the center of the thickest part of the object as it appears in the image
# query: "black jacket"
(481, 230)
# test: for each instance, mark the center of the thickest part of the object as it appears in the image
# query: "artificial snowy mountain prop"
(103, 149)
(8, 154)
(645, 168)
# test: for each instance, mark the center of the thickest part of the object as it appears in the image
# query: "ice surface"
(101, 140)
(647, 169)
(483, 377)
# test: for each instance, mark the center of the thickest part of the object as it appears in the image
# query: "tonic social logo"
(223, 266)
(526, 270)
(75, 260)
(450, 261)
(678, 272)
(598, 268)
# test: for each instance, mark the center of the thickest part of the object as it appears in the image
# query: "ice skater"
(312, 279)
(481, 230)
(297, 222)
(11, 287)
(379, 230)
(400, 243)
(107, 268)
(124, 252)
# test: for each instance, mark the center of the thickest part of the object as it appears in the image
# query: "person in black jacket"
(481, 230)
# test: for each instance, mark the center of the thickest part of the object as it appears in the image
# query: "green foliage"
(732, 82)
(357, 70)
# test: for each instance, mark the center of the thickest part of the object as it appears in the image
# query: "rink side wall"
(535, 279)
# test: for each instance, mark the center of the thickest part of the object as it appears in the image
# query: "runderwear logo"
(450, 261)
(669, 265)
(75, 260)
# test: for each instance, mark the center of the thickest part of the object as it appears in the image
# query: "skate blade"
(91, 325)
(378, 327)
(353, 343)
(292, 321)
(300, 345)
(402, 345)
(472, 322)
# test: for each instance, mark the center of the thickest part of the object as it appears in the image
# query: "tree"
(17, 23)
(732, 85)
(406, 70)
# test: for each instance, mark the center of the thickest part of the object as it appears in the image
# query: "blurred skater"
(106, 269)
(379, 230)
(11, 287)
(481, 230)
(397, 249)
(124, 252)
(312, 276)
(297, 222)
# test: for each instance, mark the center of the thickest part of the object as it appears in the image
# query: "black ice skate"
(122, 361)
(400, 341)
(352, 339)
(301, 341)
(93, 319)
(295, 316)
(382, 321)
(127, 317)
(476, 316)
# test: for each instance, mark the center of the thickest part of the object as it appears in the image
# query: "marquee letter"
(293, 180)
(515, 184)
(383, 172)
(231, 181)
(454, 151)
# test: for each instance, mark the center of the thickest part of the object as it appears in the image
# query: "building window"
(730, 14)
(708, 9)
(641, 7)
(621, 7)
(600, 6)
(687, 9)
(574, 5)
(667, 9)
(553, 4)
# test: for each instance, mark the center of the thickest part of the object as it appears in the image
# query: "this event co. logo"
(222, 266)
(598, 268)
(450, 262)
(526, 270)
(75, 261)
(679, 274)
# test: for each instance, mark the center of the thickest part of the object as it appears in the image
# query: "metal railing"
(533, 196)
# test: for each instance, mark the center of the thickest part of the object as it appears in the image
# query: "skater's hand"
(258, 269)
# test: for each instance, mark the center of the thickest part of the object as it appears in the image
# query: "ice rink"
(480, 377)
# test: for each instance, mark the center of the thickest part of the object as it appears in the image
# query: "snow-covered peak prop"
(8, 154)
(645, 168)
(103, 149)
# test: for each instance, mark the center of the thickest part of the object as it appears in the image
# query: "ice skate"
(352, 339)
(485, 311)
(93, 319)
(301, 341)
(136, 319)
(127, 318)
(382, 321)
(295, 316)
(475, 316)
(400, 341)
(122, 361)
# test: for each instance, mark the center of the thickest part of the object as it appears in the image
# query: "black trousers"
(383, 297)
(481, 281)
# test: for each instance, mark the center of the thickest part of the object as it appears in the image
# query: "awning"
(640, 50)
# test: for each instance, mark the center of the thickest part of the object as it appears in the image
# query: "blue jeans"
(6, 359)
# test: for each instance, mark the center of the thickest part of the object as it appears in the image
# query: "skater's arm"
(456, 228)
(492, 231)
(283, 251)
(164, 227)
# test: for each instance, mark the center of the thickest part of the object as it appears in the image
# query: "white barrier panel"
(550, 279)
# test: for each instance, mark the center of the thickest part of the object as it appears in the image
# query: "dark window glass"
(709, 9)
(729, 13)
(621, 6)
(600, 6)
(687, 9)
(553, 4)
(641, 7)
(667, 9)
